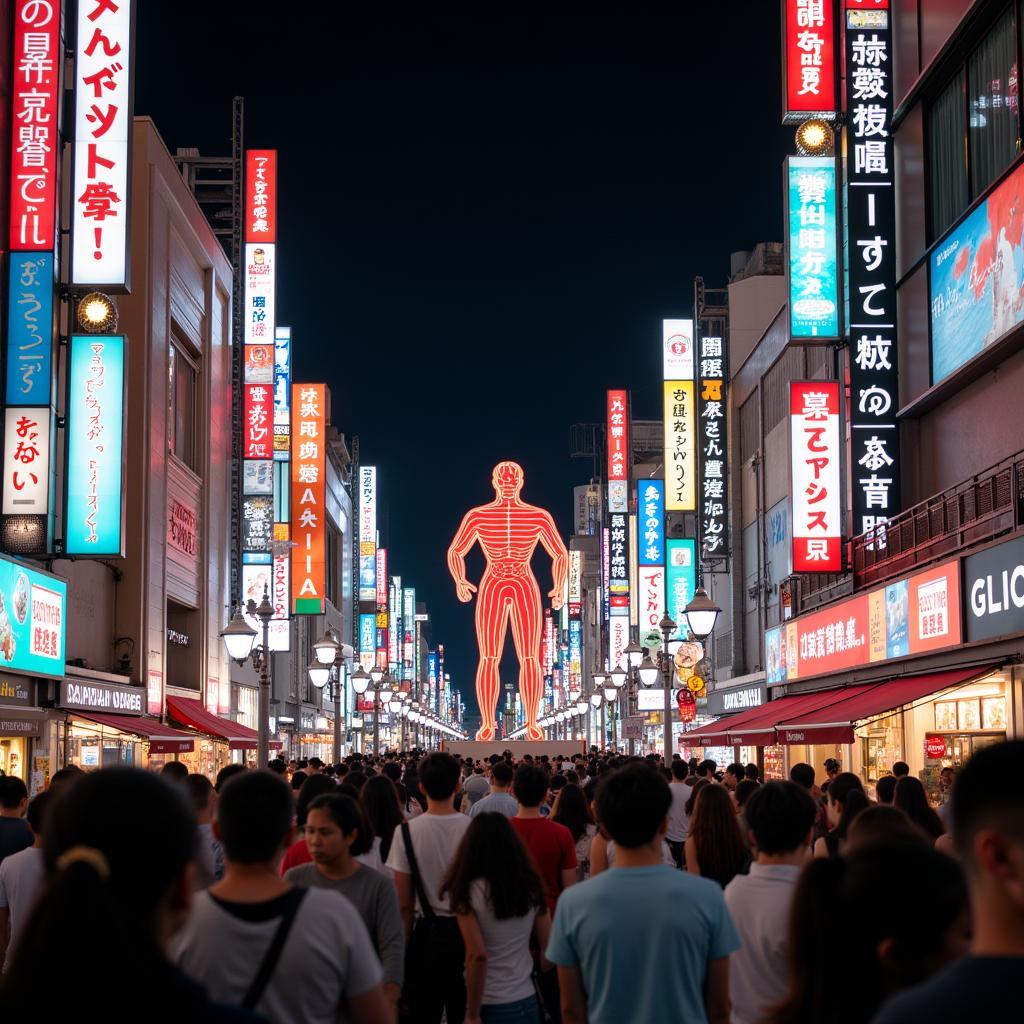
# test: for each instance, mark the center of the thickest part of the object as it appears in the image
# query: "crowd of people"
(418, 887)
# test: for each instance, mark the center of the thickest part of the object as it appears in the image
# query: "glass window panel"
(947, 158)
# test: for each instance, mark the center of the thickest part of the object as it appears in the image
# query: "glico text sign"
(814, 476)
(813, 248)
(809, 60)
(309, 471)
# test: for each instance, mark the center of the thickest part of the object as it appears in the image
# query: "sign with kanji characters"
(680, 446)
(32, 620)
(258, 422)
(258, 523)
(808, 60)
(35, 143)
(102, 144)
(30, 328)
(618, 631)
(618, 566)
(183, 528)
(871, 226)
(712, 410)
(814, 476)
(26, 461)
(368, 533)
(575, 655)
(261, 195)
(575, 597)
(94, 492)
(650, 596)
(259, 311)
(282, 393)
(680, 579)
(618, 444)
(650, 498)
(308, 493)
(280, 592)
(813, 242)
(367, 635)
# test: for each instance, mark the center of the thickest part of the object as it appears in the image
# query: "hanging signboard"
(30, 328)
(26, 487)
(309, 471)
(808, 60)
(618, 443)
(712, 407)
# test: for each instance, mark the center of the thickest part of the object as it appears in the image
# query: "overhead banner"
(102, 143)
(814, 476)
(712, 407)
(617, 432)
(367, 533)
(871, 226)
(26, 488)
(309, 472)
(680, 579)
(808, 60)
(30, 328)
(94, 424)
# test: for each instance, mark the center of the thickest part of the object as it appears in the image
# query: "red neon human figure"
(508, 531)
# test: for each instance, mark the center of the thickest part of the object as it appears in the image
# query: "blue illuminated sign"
(651, 522)
(681, 579)
(368, 634)
(30, 328)
(813, 249)
(32, 620)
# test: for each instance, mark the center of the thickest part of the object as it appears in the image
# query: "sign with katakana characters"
(680, 446)
(712, 418)
(650, 596)
(26, 461)
(871, 227)
(102, 146)
(30, 328)
(368, 533)
(814, 476)
(261, 195)
(618, 444)
(813, 267)
(32, 620)
(575, 582)
(308, 494)
(35, 142)
(808, 60)
(650, 501)
(258, 422)
(94, 492)
(258, 523)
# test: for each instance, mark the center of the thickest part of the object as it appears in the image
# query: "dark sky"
(482, 222)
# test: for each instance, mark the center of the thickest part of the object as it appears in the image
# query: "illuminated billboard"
(651, 522)
(618, 444)
(813, 269)
(680, 579)
(26, 487)
(809, 60)
(680, 446)
(32, 620)
(30, 328)
(677, 349)
(367, 533)
(309, 471)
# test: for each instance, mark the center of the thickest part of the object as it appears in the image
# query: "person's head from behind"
(802, 774)
(175, 771)
(36, 813)
(680, 769)
(298, 778)
(632, 805)
(900, 769)
(13, 797)
(733, 775)
(691, 804)
(910, 797)
(530, 785)
(780, 817)
(201, 796)
(706, 769)
(751, 772)
(846, 799)
(314, 786)
(393, 771)
(315, 766)
(885, 789)
(745, 789)
(439, 776)
(502, 776)
(336, 828)
(63, 777)
(227, 772)
(254, 819)
(278, 766)
(832, 768)
(884, 823)
(572, 811)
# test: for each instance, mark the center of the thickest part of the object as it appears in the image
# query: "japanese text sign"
(368, 533)
(261, 195)
(650, 597)
(258, 523)
(95, 439)
(712, 410)
(809, 60)
(618, 553)
(680, 579)
(680, 446)
(282, 392)
(382, 580)
(32, 620)
(30, 328)
(280, 594)
(618, 444)
(677, 349)
(651, 522)
(575, 582)
(103, 118)
(26, 461)
(814, 476)
(259, 311)
(258, 423)
(309, 471)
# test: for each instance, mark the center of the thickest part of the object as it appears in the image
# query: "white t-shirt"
(21, 877)
(435, 838)
(509, 963)
(372, 856)
(678, 819)
(759, 905)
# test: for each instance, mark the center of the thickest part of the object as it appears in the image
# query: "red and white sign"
(677, 349)
(309, 471)
(26, 461)
(35, 146)
(103, 117)
(619, 628)
(618, 435)
(935, 746)
(260, 235)
(650, 597)
(382, 579)
(814, 476)
(183, 528)
(261, 195)
(258, 424)
(809, 59)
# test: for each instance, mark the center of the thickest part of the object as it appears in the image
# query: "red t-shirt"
(298, 853)
(552, 848)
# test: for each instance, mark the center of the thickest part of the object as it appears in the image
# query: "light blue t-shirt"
(495, 803)
(642, 939)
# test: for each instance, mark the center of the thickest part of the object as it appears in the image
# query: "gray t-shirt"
(327, 959)
(374, 895)
(496, 803)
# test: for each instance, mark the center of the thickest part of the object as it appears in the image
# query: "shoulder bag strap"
(274, 950)
(417, 881)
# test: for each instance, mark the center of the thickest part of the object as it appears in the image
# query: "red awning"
(834, 721)
(760, 731)
(192, 713)
(717, 733)
(162, 740)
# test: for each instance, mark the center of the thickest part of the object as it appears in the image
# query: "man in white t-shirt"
(434, 971)
(781, 817)
(678, 820)
(21, 877)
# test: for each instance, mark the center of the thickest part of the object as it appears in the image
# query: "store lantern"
(687, 704)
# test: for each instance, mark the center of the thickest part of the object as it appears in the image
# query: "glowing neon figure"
(508, 531)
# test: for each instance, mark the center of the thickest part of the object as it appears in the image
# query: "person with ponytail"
(119, 852)
(846, 799)
(868, 925)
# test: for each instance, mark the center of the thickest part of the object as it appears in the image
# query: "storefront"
(20, 723)
(215, 737)
(735, 697)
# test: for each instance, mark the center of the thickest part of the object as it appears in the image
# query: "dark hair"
(278, 766)
(745, 789)
(254, 817)
(175, 771)
(439, 776)
(721, 849)
(502, 773)
(679, 770)
(357, 777)
(847, 790)
(781, 816)
(752, 772)
(12, 792)
(314, 786)
(900, 769)
(802, 774)
(735, 769)
(227, 772)
(632, 803)
(706, 766)
(843, 909)
(491, 852)
(145, 858)
(36, 813)
(298, 779)
(381, 804)
(987, 795)
(198, 789)
(572, 811)
(530, 785)
(62, 776)
(557, 782)
(348, 816)
(885, 823)
(393, 770)
(885, 789)
(694, 790)
(912, 800)
(315, 762)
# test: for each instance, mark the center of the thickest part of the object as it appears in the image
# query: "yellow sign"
(695, 684)
(680, 446)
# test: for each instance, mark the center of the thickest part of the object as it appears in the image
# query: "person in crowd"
(426, 846)
(63, 776)
(314, 766)
(900, 770)
(298, 778)
(500, 800)
(610, 934)
(415, 799)
(780, 817)
(131, 882)
(210, 853)
(335, 830)
(572, 811)
(846, 799)
(15, 834)
(868, 925)
(21, 877)
(706, 770)
(298, 853)
(227, 772)
(175, 771)
(884, 822)
(278, 766)
(383, 809)
(678, 817)
(752, 772)
(476, 786)
(911, 798)
(715, 847)
(499, 901)
(947, 779)
(257, 941)
(987, 817)
(744, 791)
(357, 778)
(832, 769)
(803, 775)
(733, 776)
(885, 789)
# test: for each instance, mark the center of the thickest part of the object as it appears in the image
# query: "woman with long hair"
(912, 800)
(846, 799)
(380, 801)
(571, 811)
(865, 926)
(314, 786)
(715, 847)
(691, 803)
(499, 900)
(119, 850)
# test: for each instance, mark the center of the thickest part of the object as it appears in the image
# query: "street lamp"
(326, 666)
(702, 614)
(648, 671)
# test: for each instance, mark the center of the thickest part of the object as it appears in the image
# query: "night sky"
(482, 223)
